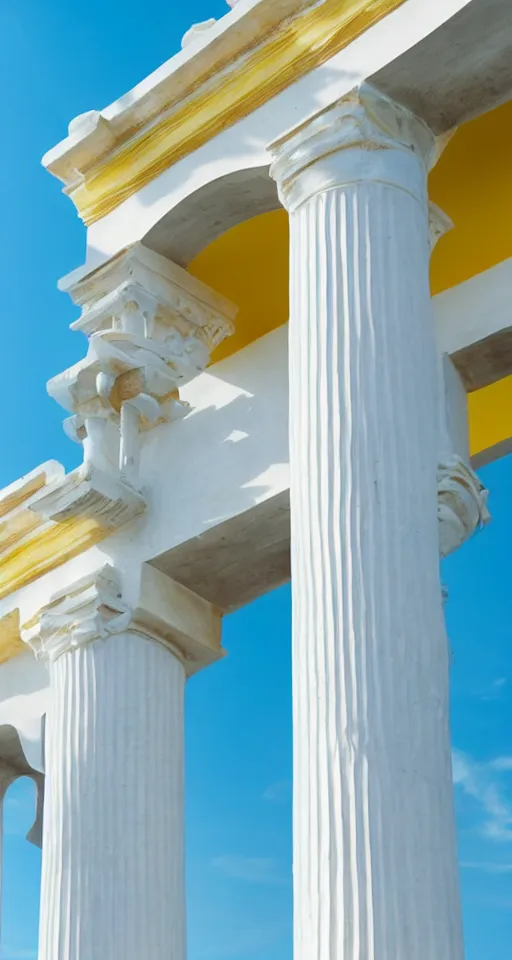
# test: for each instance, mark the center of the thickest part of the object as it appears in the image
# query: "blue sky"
(60, 58)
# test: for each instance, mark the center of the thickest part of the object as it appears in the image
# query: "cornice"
(150, 328)
(109, 156)
(48, 517)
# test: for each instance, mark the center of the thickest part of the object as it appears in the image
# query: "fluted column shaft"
(375, 874)
(113, 844)
(113, 875)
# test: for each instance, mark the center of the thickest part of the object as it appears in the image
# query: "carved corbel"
(461, 497)
(461, 504)
(151, 328)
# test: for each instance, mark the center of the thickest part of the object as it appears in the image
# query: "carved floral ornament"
(364, 118)
(151, 328)
(92, 610)
(461, 504)
(158, 609)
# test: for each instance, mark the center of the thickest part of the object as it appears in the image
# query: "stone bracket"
(151, 328)
(90, 494)
(461, 504)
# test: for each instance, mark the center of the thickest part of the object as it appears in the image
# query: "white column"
(375, 871)
(113, 842)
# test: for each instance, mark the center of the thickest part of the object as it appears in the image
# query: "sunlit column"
(113, 881)
(375, 871)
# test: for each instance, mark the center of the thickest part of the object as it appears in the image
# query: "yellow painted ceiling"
(472, 183)
(251, 262)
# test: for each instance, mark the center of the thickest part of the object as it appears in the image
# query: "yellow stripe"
(472, 184)
(297, 48)
(490, 416)
(11, 644)
(48, 550)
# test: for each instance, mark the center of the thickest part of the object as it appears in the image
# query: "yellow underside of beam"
(47, 550)
(490, 416)
(471, 183)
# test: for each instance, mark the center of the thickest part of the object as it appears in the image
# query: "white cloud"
(487, 867)
(495, 689)
(250, 869)
(478, 780)
(502, 764)
(278, 792)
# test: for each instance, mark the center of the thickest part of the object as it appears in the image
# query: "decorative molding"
(89, 494)
(18, 494)
(367, 121)
(95, 608)
(17, 520)
(461, 497)
(364, 118)
(91, 609)
(20, 523)
(197, 32)
(151, 328)
(461, 504)
(47, 518)
(238, 76)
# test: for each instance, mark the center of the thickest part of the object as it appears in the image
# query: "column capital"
(364, 120)
(96, 608)
(151, 328)
(461, 504)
